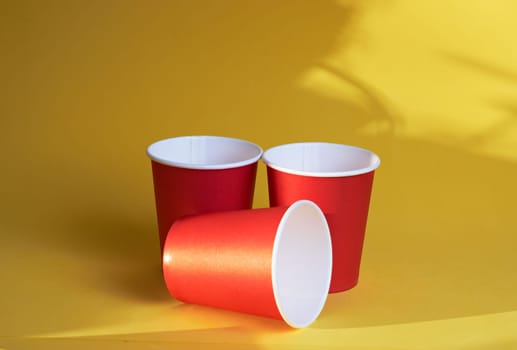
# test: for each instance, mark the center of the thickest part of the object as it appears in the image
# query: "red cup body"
(214, 264)
(182, 191)
(273, 262)
(345, 202)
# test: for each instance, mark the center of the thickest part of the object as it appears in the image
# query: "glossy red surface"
(224, 260)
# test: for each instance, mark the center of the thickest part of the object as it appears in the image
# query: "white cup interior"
(204, 152)
(321, 159)
(302, 264)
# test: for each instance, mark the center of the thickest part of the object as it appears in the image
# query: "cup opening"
(204, 152)
(321, 159)
(302, 264)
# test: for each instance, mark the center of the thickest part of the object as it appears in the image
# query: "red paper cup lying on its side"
(273, 262)
(201, 174)
(339, 180)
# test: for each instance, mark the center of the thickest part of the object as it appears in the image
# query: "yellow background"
(431, 86)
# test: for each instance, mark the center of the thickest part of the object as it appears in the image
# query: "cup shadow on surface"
(214, 338)
(126, 251)
(439, 242)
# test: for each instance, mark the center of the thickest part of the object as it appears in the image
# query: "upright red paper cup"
(339, 179)
(273, 262)
(201, 174)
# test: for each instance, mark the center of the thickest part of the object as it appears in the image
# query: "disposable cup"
(339, 179)
(273, 262)
(201, 174)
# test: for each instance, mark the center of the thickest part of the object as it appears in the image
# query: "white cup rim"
(156, 152)
(301, 265)
(272, 160)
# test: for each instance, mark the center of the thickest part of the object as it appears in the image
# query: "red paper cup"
(201, 174)
(339, 180)
(273, 262)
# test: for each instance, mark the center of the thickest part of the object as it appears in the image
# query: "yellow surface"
(87, 85)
